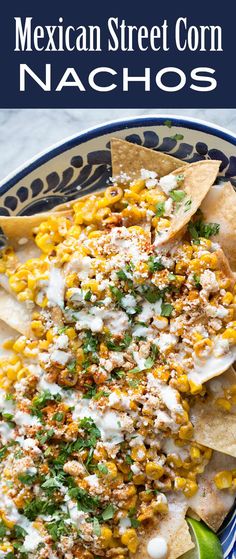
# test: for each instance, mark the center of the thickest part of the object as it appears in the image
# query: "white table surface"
(25, 132)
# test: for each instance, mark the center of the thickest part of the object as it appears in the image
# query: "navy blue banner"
(105, 55)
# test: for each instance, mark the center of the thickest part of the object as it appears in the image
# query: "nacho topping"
(96, 429)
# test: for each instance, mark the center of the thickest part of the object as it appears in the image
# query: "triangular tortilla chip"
(219, 206)
(214, 428)
(16, 228)
(197, 179)
(6, 332)
(210, 504)
(129, 159)
(172, 527)
(14, 313)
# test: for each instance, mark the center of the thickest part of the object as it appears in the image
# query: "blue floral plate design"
(82, 164)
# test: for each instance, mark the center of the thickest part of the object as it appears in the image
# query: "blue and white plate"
(82, 164)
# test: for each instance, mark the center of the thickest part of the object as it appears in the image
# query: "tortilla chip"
(210, 504)
(16, 228)
(129, 159)
(219, 206)
(197, 179)
(15, 314)
(172, 527)
(6, 332)
(214, 428)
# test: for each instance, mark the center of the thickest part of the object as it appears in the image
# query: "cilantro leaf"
(168, 123)
(90, 342)
(117, 293)
(40, 402)
(102, 468)
(177, 137)
(34, 508)
(58, 527)
(154, 264)
(88, 295)
(96, 527)
(109, 512)
(72, 366)
(3, 529)
(119, 346)
(177, 195)
(166, 309)
(160, 209)
(200, 228)
(27, 478)
(85, 501)
(188, 204)
(152, 294)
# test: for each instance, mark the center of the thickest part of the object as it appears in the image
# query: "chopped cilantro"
(168, 123)
(36, 507)
(62, 330)
(134, 382)
(58, 416)
(85, 502)
(109, 512)
(44, 436)
(196, 279)
(166, 309)
(3, 530)
(96, 527)
(72, 366)
(200, 228)
(152, 294)
(51, 483)
(177, 195)
(3, 451)
(160, 209)
(27, 478)
(117, 293)
(102, 468)
(40, 401)
(7, 416)
(91, 392)
(177, 137)
(123, 275)
(128, 459)
(100, 394)
(132, 516)
(58, 527)
(154, 264)
(187, 204)
(119, 346)
(90, 343)
(88, 295)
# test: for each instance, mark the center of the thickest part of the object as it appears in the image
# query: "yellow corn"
(153, 470)
(223, 404)
(229, 334)
(106, 536)
(223, 480)
(130, 539)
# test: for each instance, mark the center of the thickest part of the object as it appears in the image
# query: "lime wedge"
(207, 545)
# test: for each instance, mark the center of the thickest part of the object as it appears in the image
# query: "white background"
(25, 132)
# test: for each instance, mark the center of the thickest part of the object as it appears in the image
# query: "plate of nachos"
(117, 379)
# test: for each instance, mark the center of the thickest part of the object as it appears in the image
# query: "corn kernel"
(106, 536)
(223, 404)
(190, 488)
(154, 471)
(130, 539)
(223, 480)
(186, 431)
(229, 334)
